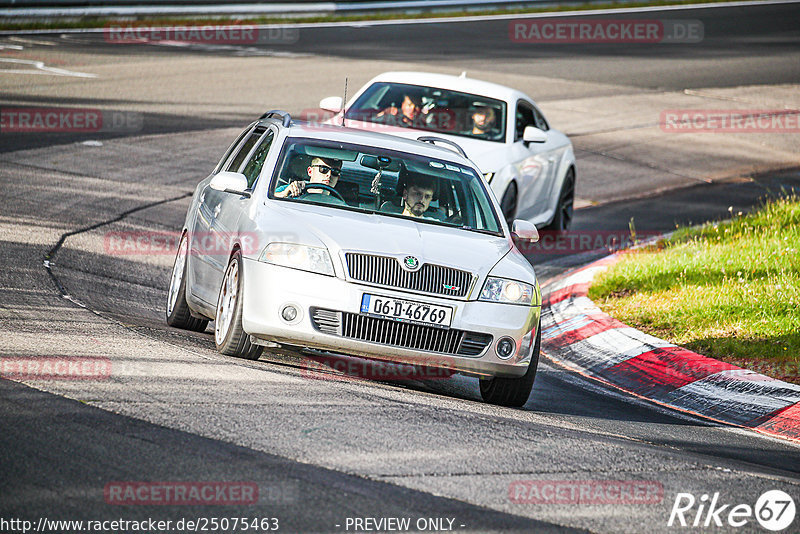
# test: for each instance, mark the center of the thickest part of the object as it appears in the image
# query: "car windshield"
(386, 182)
(431, 109)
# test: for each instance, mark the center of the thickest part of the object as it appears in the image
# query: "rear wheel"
(509, 203)
(229, 336)
(178, 313)
(566, 199)
(512, 391)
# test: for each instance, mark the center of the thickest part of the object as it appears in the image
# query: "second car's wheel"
(509, 203)
(178, 314)
(566, 199)
(512, 391)
(229, 336)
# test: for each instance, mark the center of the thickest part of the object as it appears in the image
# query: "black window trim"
(518, 135)
(269, 128)
(231, 149)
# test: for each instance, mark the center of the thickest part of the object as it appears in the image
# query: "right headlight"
(303, 257)
(507, 291)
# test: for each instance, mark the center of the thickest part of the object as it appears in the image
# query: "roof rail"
(287, 119)
(432, 139)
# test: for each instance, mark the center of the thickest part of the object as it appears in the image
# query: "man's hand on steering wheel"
(324, 187)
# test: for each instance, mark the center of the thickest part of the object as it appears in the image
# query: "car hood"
(487, 155)
(343, 231)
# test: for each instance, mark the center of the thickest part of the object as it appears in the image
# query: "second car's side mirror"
(532, 134)
(525, 231)
(231, 182)
(331, 103)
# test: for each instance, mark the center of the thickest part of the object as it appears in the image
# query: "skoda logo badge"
(410, 263)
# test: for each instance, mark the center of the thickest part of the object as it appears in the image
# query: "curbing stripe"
(577, 334)
(586, 326)
(663, 370)
(782, 423)
(614, 346)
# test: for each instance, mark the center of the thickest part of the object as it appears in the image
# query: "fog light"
(289, 313)
(505, 348)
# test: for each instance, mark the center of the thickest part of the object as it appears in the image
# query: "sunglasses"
(324, 169)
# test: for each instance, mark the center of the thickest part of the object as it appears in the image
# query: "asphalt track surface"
(323, 450)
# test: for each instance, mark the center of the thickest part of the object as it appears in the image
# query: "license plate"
(406, 310)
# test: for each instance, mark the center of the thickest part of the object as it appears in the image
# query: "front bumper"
(269, 288)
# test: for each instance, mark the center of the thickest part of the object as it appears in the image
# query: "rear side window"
(253, 167)
(524, 117)
(244, 150)
(539, 120)
(230, 150)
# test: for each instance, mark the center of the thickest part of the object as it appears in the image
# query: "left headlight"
(507, 291)
(303, 257)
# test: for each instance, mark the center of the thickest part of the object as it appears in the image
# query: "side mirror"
(230, 182)
(532, 134)
(525, 231)
(332, 103)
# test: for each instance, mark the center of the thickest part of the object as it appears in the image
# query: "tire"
(229, 336)
(513, 392)
(562, 219)
(509, 203)
(177, 312)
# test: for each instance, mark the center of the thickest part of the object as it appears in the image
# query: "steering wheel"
(334, 192)
(455, 219)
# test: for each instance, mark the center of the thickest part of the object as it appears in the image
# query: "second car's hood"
(341, 230)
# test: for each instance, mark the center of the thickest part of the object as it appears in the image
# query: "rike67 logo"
(774, 510)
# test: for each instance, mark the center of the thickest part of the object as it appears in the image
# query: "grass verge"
(100, 22)
(728, 290)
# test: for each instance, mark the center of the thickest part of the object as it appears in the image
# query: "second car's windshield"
(430, 108)
(387, 182)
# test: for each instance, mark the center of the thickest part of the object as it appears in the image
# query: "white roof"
(375, 139)
(453, 83)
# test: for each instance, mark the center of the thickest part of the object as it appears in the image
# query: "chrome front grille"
(399, 334)
(386, 271)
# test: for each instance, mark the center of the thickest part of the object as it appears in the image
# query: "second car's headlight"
(508, 291)
(314, 259)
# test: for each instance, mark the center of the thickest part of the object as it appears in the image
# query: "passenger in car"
(409, 114)
(320, 171)
(417, 195)
(483, 122)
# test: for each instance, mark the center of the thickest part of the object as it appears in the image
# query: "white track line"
(42, 69)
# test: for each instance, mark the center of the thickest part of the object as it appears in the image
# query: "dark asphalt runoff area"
(326, 450)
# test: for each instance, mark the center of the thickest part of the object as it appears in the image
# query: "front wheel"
(178, 314)
(513, 392)
(566, 200)
(229, 336)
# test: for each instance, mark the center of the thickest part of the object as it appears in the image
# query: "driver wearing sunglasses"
(321, 171)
